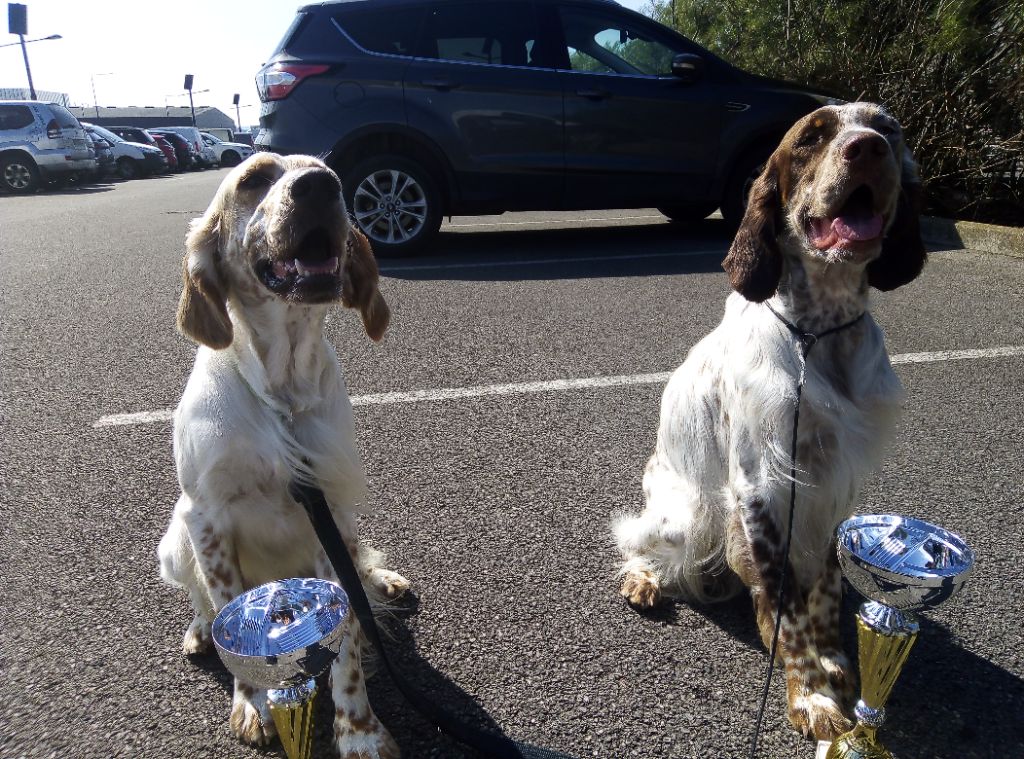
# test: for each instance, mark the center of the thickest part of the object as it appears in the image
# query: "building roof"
(153, 116)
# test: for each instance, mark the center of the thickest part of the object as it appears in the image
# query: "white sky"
(138, 53)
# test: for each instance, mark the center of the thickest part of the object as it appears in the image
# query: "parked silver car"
(41, 142)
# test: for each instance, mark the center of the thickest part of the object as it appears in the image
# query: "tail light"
(53, 129)
(276, 81)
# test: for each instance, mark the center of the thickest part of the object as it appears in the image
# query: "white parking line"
(549, 386)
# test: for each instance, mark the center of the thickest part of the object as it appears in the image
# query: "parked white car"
(132, 159)
(228, 153)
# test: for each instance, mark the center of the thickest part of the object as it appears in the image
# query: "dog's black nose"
(317, 184)
(865, 147)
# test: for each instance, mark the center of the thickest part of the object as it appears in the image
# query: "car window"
(297, 23)
(598, 41)
(388, 30)
(15, 116)
(64, 118)
(494, 33)
(107, 135)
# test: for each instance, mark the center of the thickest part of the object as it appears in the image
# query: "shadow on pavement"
(414, 734)
(948, 701)
(568, 253)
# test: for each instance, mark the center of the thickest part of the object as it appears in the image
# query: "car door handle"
(439, 84)
(594, 94)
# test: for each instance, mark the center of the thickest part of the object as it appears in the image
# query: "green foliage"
(952, 71)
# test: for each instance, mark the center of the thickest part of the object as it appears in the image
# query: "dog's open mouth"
(856, 222)
(313, 273)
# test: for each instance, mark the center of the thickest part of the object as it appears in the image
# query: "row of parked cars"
(43, 143)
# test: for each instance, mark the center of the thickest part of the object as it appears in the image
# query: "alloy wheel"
(390, 206)
(17, 176)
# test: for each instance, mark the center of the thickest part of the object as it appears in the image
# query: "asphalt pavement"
(494, 488)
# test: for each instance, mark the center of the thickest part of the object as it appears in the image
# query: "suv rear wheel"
(394, 202)
(19, 174)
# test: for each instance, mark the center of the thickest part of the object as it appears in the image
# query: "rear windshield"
(391, 30)
(64, 118)
(297, 22)
(15, 116)
(109, 136)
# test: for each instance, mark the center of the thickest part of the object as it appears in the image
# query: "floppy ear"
(903, 254)
(359, 288)
(754, 263)
(202, 310)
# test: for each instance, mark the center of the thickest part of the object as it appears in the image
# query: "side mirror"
(688, 67)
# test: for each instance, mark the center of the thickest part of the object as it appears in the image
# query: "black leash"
(489, 744)
(806, 340)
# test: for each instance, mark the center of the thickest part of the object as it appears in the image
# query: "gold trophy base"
(859, 743)
(884, 639)
(294, 721)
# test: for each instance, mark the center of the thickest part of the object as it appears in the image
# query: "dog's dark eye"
(255, 181)
(886, 130)
(810, 139)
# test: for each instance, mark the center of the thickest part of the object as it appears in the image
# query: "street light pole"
(92, 80)
(28, 70)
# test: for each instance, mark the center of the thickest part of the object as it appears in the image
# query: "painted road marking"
(550, 386)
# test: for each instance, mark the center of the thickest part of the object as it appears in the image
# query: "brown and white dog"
(832, 214)
(272, 254)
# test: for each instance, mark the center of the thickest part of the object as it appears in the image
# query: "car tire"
(126, 168)
(746, 170)
(396, 226)
(19, 174)
(687, 214)
(230, 158)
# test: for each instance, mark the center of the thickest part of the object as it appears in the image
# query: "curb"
(987, 238)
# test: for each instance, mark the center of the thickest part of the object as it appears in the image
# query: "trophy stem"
(884, 639)
(292, 710)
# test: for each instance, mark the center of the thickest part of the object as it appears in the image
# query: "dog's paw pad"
(251, 725)
(818, 716)
(640, 589)
(197, 638)
(391, 584)
(369, 742)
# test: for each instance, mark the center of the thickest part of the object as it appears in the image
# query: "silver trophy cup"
(901, 566)
(279, 637)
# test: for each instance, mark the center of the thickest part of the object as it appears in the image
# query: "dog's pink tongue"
(855, 228)
(826, 233)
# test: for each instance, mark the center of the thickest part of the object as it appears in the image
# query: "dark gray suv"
(428, 108)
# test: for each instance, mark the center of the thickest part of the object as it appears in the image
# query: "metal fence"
(45, 96)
